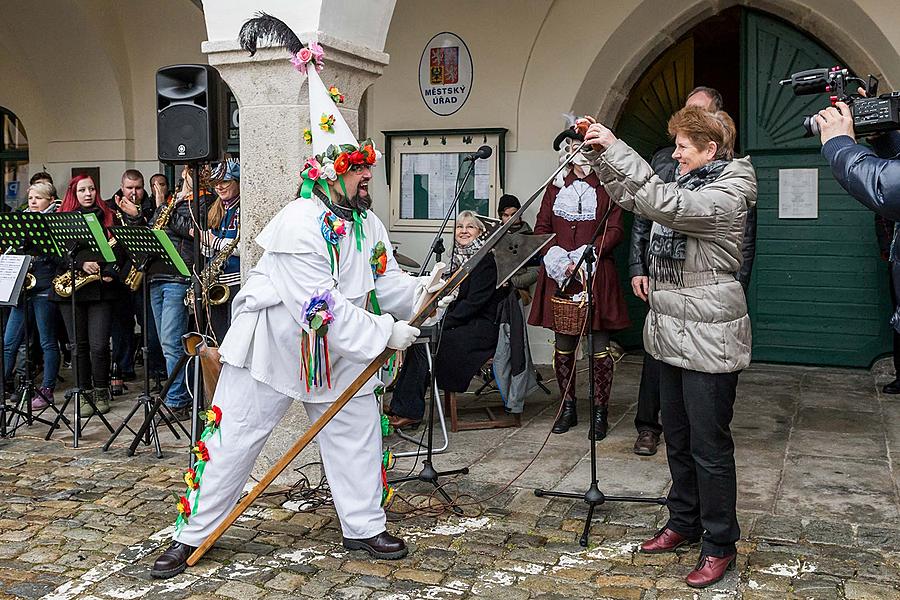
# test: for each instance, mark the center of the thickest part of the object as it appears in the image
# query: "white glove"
(402, 335)
(442, 305)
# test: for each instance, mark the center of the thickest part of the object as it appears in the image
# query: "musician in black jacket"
(167, 292)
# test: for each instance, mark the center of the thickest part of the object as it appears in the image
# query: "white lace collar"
(576, 202)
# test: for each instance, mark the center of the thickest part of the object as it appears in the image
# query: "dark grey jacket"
(666, 168)
(871, 175)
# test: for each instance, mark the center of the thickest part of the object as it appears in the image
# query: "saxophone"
(62, 284)
(214, 293)
(135, 277)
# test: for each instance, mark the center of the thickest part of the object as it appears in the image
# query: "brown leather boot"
(603, 379)
(564, 365)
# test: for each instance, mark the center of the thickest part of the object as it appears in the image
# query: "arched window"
(13, 161)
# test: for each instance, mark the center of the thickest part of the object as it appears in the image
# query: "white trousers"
(350, 446)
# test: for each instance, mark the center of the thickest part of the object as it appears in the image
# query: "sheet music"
(10, 268)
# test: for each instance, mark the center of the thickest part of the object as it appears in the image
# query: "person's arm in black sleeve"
(637, 250)
(482, 284)
(748, 250)
(873, 181)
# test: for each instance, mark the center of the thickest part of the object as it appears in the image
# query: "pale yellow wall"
(81, 77)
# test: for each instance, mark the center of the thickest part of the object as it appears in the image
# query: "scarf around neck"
(463, 253)
(667, 246)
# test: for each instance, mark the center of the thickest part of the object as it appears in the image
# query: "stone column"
(274, 110)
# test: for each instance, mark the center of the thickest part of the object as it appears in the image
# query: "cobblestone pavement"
(818, 507)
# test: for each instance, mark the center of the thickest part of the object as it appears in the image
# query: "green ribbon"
(358, 233)
(373, 302)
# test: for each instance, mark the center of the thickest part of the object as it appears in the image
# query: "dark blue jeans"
(43, 313)
(171, 316)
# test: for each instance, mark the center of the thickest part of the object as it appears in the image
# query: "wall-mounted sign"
(445, 74)
(798, 193)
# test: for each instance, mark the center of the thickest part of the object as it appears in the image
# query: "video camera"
(870, 114)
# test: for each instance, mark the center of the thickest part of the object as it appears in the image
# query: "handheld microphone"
(483, 152)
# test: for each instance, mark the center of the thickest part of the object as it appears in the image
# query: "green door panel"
(819, 293)
(659, 93)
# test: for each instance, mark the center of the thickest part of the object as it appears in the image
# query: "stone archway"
(846, 29)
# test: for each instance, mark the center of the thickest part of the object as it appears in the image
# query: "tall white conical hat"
(326, 123)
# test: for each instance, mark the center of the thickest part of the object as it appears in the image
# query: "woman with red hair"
(93, 302)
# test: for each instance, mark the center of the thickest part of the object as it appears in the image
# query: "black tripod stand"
(145, 400)
(428, 474)
(76, 394)
(24, 413)
(593, 496)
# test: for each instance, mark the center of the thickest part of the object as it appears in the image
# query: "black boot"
(172, 562)
(568, 418)
(603, 378)
(601, 424)
(564, 365)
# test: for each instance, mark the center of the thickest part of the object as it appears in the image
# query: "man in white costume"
(315, 311)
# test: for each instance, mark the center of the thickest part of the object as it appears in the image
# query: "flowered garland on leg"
(193, 476)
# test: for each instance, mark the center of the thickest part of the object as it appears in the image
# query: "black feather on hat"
(267, 27)
(569, 133)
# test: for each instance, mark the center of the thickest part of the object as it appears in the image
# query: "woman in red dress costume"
(571, 208)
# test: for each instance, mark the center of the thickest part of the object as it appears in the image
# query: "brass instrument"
(214, 293)
(30, 281)
(135, 277)
(62, 284)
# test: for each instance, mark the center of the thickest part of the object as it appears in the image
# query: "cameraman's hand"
(835, 121)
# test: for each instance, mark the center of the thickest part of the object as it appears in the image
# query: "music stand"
(152, 252)
(593, 496)
(26, 233)
(82, 236)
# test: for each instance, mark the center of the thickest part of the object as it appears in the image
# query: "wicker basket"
(569, 316)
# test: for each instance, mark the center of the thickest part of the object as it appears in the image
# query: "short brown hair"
(702, 127)
(714, 95)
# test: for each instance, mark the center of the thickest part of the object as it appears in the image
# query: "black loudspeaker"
(190, 114)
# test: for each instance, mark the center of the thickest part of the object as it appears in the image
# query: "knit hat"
(508, 201)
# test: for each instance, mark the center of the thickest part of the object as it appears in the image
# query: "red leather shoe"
(709, 570)
(665, 541)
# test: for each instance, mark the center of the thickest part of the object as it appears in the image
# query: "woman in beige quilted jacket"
(698, 324)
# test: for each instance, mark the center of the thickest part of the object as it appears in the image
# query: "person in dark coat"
(93, 302)
(571, 208)
(468, 335)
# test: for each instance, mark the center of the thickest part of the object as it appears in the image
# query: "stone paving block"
(240, 591)
(368, 567)
(419, 576)
(857, 590)
(779, 529)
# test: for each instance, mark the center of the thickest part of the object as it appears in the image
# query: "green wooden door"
(819, 292)
(659, 93)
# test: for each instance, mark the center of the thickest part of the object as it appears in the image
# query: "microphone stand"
(593, 497)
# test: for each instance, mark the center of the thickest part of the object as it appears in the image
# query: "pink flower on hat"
(300, 59)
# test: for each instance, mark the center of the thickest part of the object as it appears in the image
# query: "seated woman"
(469, 331)
(698, 325)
